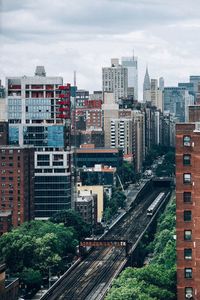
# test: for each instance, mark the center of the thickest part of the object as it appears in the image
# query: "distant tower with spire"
(146, 87)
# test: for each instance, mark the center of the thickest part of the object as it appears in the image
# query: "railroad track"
(88, 281)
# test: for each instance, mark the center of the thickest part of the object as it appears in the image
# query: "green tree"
(37, 245)
(31, 278)
(126, 173)
(119, 198)
(107, 214)
(170, 157)
(73, 219)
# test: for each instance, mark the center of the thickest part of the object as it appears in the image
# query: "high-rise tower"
(115, 79)
(39, 115)
(132, 65)
(146, 87)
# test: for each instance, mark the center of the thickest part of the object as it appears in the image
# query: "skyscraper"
(38, 110)
(115, 79)
(195, 80)
(146, 87)
(176, 101)
(132, 65)
(161, 83)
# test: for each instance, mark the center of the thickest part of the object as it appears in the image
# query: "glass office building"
(176, 102)
(33, 114)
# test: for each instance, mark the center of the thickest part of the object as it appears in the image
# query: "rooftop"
(97, 150)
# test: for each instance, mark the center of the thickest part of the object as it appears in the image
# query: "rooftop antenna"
(133, 54)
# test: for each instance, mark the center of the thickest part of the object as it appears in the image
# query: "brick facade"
(188, 211)
(16, 183)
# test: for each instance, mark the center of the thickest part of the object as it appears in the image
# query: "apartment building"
(39, 114)
(188, 210)
(16, 186)
(115, 79)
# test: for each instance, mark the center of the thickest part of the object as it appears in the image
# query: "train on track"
(154, 205)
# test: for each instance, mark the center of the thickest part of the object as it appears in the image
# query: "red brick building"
(5, 221)
(188, 210)
(89, 116)
(16, 185)
(194, 113)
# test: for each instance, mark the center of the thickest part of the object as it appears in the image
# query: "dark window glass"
(187, 215)
(43, 163)
(186, 159)
(43, 157)
(188, 273)
(59, 170)
(188, 253)
(187, 197)
(58, 163)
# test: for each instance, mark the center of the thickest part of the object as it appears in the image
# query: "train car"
(152, 208)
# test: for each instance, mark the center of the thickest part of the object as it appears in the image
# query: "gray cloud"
(83, 35)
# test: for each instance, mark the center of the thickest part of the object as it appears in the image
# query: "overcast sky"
(83, 35)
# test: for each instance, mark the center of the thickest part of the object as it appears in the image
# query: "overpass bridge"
(90, 277)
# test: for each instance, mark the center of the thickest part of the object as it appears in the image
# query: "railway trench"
(93, 276)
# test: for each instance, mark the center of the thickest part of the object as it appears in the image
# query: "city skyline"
(67, 36)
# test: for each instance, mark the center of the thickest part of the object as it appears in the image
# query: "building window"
(187, 178)
(188, 292)
(187, 197)
(188, 235)
(187, 215)
(186, 140)
(186, 159)
(188, 273)
(188, 253)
